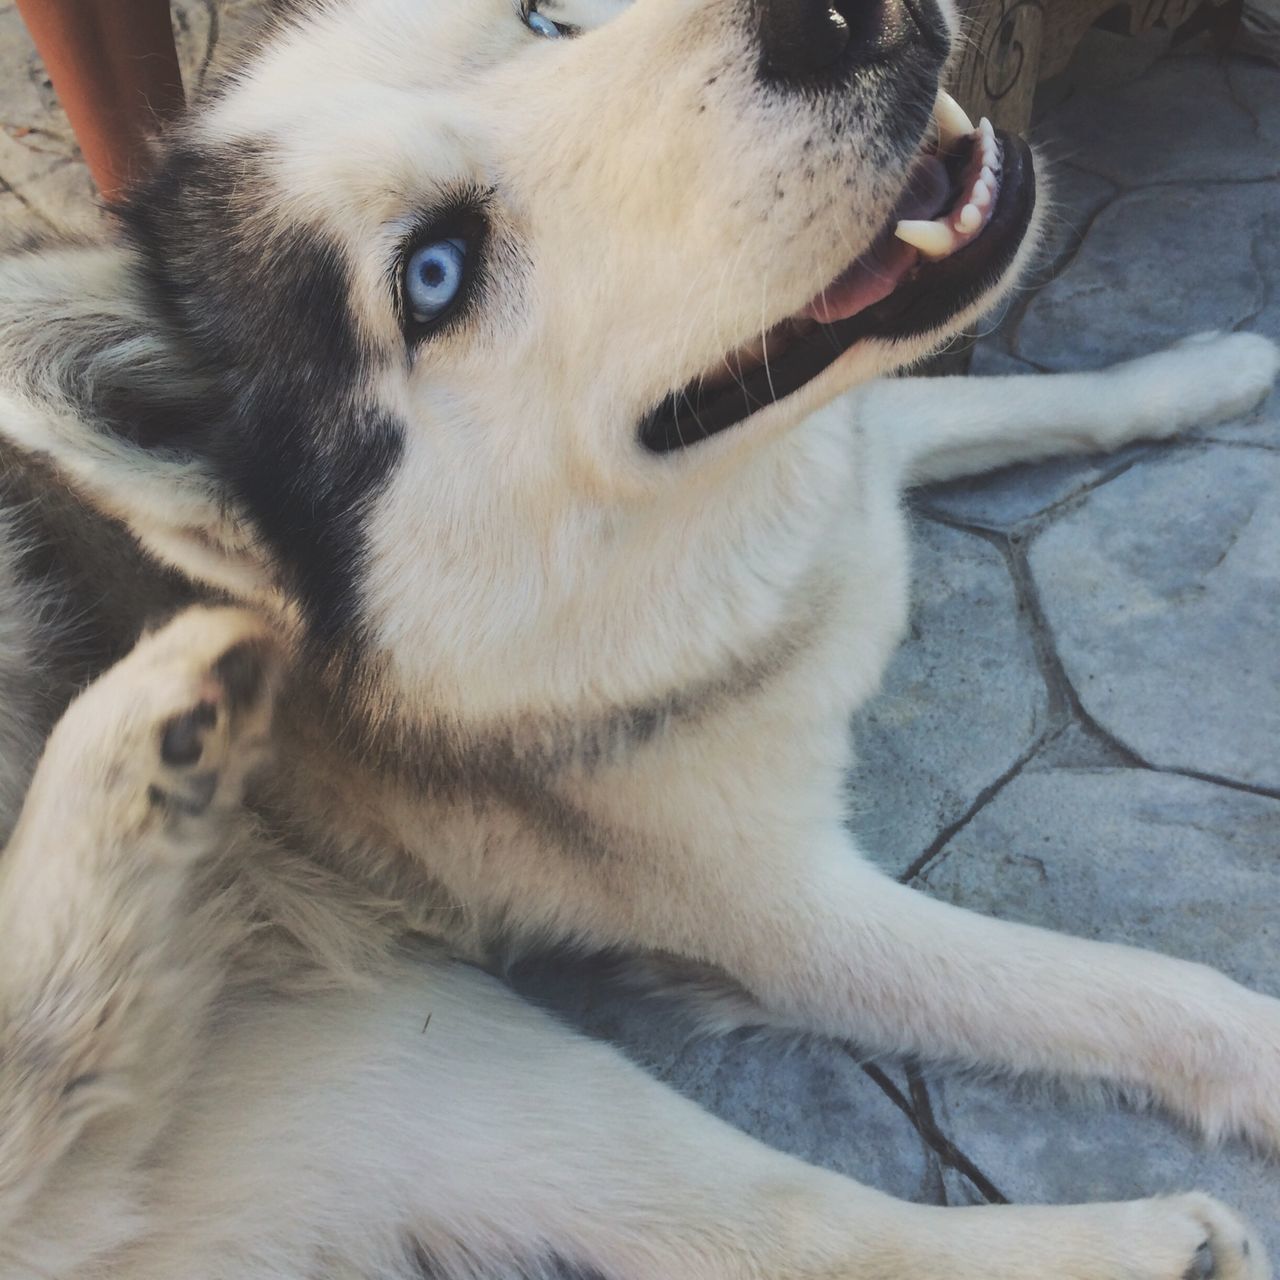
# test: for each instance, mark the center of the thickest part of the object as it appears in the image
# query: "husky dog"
(475, 375)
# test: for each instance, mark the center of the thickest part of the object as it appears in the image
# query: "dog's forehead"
(416, 46)
(356, 55)
(367, 110)
(366, 106)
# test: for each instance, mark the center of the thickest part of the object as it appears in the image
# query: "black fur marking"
(519, 764)
(528, 753)
(552, 1267)
(262, 308)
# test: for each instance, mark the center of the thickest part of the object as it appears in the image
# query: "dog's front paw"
(168, 737)
(1210, 1241)
(1202, 380)
(1231, 373)
(1184, 1237)
(208, 749)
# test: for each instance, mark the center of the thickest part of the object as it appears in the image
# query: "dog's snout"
(803, 40)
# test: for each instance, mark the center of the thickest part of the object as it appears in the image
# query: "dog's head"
(471, 326)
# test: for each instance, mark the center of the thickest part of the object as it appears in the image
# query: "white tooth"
(987, 139)
(981, 195)
(933, 239)
(970, 219)
(952, 122)
(988, 176)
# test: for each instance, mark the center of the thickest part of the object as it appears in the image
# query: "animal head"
(460, 328)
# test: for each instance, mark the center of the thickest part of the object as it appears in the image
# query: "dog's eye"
(541, 25)
(433, 278)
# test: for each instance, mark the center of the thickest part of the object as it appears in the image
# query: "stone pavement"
(1082, 730)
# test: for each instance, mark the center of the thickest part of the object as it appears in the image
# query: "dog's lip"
(893, 291)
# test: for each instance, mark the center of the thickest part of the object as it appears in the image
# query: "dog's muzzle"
(962, 215)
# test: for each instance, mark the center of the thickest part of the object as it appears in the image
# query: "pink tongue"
(874, 276)
(878, 272)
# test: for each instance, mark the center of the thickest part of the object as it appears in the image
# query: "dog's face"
(511, 317)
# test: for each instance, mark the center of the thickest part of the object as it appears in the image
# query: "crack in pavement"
(1063, 701)
(945, 1146)
(919, 1111)
(1215, 779)
(1056, 678)
(931, 855)
(1037, 521)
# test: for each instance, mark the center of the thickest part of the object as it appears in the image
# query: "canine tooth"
(952, 122)
(987, 139)
(933, 239)
(970, 219)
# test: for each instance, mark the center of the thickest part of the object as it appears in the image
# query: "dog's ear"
(91, 382)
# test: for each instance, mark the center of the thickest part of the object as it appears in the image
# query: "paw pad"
(1203, 1266)
(207, 750)
(242, 673)
(182, 742)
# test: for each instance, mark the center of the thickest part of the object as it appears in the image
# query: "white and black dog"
(474, 370)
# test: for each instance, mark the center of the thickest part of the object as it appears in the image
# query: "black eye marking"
(283, 416)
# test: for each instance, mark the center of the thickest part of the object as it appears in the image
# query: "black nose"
(803, 39)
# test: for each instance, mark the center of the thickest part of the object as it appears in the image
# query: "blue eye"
(433, 278)
(543, 26)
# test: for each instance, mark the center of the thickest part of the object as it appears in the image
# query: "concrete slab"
(1162, 595)
(964, 700)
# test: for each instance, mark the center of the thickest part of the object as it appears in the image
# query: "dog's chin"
(964, 211)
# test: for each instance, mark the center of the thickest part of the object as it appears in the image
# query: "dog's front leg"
(107, 970)
(828, 943)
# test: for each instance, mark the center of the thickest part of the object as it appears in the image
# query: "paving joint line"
(930, 1132)
(1217, 780)
(933, 854)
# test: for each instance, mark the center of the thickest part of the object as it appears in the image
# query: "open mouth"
(964, 211)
